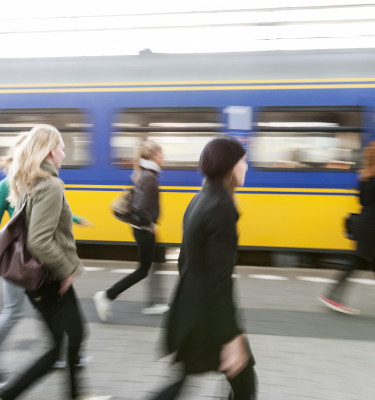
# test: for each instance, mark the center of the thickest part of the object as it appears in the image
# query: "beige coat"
(49, 221)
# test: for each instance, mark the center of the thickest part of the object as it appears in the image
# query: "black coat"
(203, 316)
(366, 224)
(145, 205)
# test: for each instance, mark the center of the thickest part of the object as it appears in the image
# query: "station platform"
(303, 350)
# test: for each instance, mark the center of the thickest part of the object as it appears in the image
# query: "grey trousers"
(13, 308)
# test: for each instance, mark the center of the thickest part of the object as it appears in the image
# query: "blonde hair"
(8, 158)
(147, 150)
(25, 167)
(368, 162)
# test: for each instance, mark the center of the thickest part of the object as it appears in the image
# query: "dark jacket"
(203, 316)
(145, 203)
(366, 224)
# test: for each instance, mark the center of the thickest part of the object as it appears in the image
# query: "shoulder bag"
(122, 206)
(351, 226)
(17, 264)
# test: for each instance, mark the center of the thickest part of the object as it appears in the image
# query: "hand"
(234, 356)
(66, 283)
(153, 228)
(86, 222)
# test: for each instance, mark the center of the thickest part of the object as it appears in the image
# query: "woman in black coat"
(202, 327)
(365, 232)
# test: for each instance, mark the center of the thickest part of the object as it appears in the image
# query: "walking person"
(33, 177)
(145, 210)
(201, 326)
(365, 244)
(13, 295)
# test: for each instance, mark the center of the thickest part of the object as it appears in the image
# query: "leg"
(155, 281)
(75, 331)
(244, 385)
(337, 290)
(61, 363)
(146, 249)
(156, 302)
(155, 286)
(372, 264)
(46, 301)
(170, 392)
(14, 298)
(59, 314)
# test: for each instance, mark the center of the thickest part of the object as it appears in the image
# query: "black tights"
(146, 250)
(62, 315)
(244, 387)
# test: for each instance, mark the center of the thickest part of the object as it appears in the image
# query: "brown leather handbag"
(17, 264)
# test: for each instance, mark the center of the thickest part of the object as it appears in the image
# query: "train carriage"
(303, 116)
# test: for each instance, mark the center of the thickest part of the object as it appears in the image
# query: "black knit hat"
(219, 156)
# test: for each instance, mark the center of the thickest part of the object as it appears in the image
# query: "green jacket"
(49, 221)
(4, 203)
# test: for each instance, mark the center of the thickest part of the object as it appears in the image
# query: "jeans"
(244, 387)
(62, 315)
(13, 307)
(146, 250)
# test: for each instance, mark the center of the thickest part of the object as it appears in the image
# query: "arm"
(77, 219)
(220, 250)
(181, 259)
(234, 355)
(361, 196)
(81, 220)
(4, 193)
(44, 219)
(182, 255)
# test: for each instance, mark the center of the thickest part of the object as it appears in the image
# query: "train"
(303, 116)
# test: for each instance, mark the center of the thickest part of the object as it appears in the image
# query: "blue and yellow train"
(303, 116)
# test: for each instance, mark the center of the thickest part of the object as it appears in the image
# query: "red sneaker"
(333, 305)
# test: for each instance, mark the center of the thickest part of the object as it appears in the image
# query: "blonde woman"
(365, 249)
(33, 177)
(145, 214)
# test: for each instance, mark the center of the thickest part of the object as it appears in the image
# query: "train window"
(322, 138)
(182, 132)
(72, 123)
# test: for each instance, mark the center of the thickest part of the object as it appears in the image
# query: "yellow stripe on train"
(267, 219)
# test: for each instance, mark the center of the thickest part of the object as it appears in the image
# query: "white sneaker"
(102, 305)
(82, 362)
(59, 364)
(156, 309)
(3, 384)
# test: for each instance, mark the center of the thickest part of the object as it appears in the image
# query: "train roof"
(149, 67)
